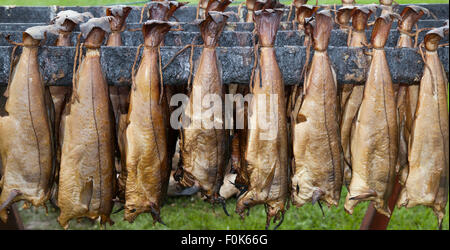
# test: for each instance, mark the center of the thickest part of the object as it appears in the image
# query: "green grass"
(193, 213)
(103, 2)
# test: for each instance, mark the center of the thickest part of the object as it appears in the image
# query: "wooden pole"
(14, 221)
(376, 221)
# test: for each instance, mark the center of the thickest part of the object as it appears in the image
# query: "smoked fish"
(203, 138)
(318, 170)
(374, 140)
(428, 148)
(86, 179)
(267, 153)
(26, 130)
(354, 92)
(147, 162)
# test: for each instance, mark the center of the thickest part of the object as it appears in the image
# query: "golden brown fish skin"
(240, 165)
(374, 140)
(407, 93)
(267, 158)
(87, 160)
(318, 170)
(26, 139)
(146, 134)
(120, 99)
(204, 150)
(428, 154)
(353, 93)
(61, 94)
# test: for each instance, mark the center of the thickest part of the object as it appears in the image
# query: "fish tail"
(364, 196)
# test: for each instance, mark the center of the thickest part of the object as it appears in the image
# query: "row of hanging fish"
(86, 146)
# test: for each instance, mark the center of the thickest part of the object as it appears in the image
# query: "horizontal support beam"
(227, 39)
(184, 14)
(230, 26)
(351, 64)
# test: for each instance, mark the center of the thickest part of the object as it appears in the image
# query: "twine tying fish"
(133, 69)
(142, 12)
(239, 10)
(77, 58)
(290, 11)
(426, 64)
(11, 61)
(161, 80)
(197, 10)
(192, 45)
(308, 57)
(416, 39)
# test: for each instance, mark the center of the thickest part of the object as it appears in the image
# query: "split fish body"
(266, 153)
(428, 151)
(26, 139)
(318, 168)
(146, 137)
(203, 150)
(86, 183)
(374, 142)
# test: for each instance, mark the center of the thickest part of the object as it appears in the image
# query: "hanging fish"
(342, 18)
(407, 93)
(239, 165)
(318, 170)
(352, 94)
(204, 149)
(250, 4)
(303, 12)
(348, 2)
(239, 143)
(119, 14)
(26, 130)
(201, 9)
(267, 152)
(428, 151)
(86, 185)
(146, 134)
(374, 139)
(217, 5)
(163, 10)
(297, 4)
(66, 21)
(119, 95)
(386, 6)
